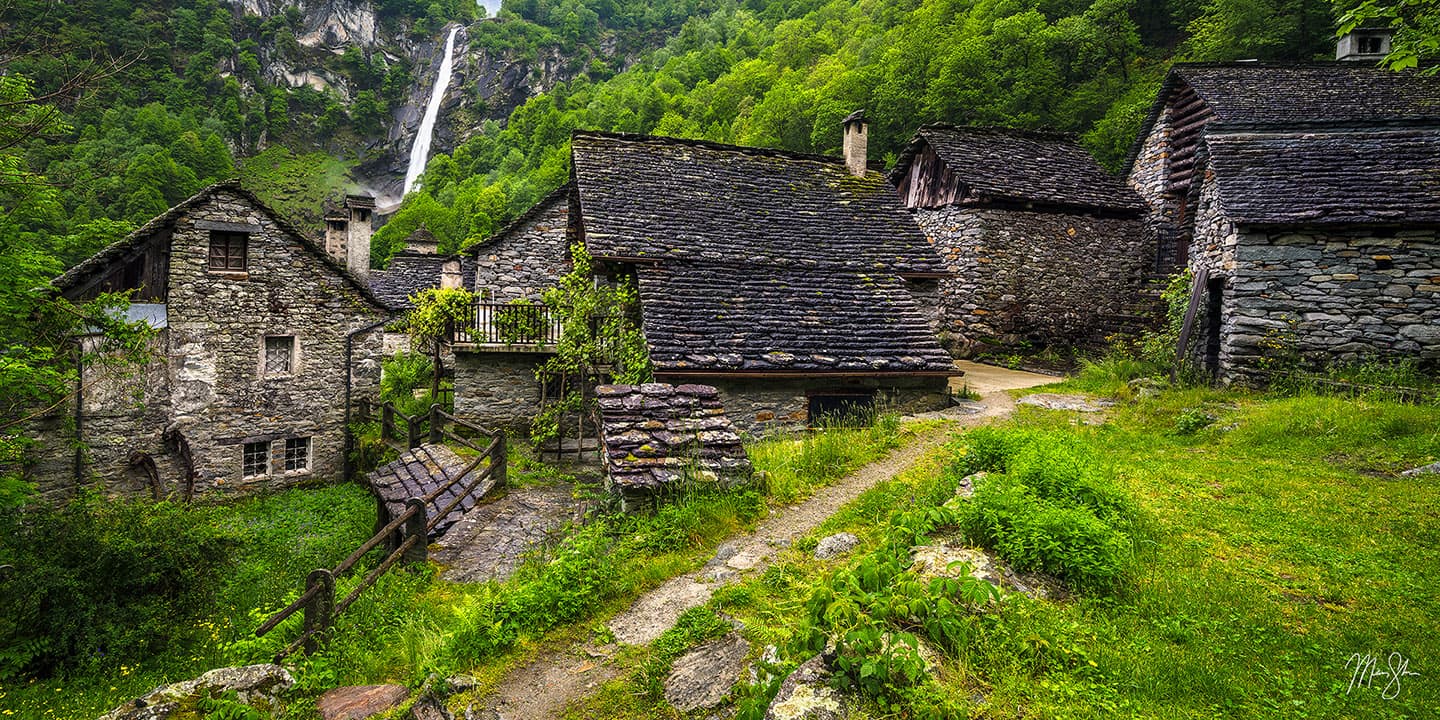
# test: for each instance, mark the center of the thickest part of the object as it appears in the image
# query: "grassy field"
(1277, 545)
(412, 624)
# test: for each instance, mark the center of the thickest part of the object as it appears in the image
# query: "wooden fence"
(410, 431)
(406, 536)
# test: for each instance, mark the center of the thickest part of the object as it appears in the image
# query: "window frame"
(291, 444)
(249, 450)
(227, 240)
(290, 366)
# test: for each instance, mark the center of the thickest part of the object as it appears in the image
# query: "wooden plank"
(1197, 289)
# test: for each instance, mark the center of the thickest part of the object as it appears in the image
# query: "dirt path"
(543, 688)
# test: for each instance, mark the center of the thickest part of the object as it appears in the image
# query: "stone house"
(787, 281)
(263, 339)
(1306, 199)
(1044, 247)
(494, 379)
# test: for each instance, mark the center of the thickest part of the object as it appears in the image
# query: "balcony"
(507, 327)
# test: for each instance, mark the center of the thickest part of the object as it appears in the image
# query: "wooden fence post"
(415, 527)
(437, 430)
(362, 409)
(320, 610)
(499, 461)
(387, 421)
(412, 433)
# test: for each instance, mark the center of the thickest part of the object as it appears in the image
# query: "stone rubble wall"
(657, 435)
(497, 389)
(1046, 278)
(762, 406)
(1150, 177)
(524, 263)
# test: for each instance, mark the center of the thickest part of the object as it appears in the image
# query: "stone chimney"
(337, 231)
(422, 242)
(856, 134)
(450, 273)
(362, 225)
(1364, 44)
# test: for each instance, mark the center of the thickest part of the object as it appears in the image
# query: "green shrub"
(401, 376)
(1045, 506)
(98, 581)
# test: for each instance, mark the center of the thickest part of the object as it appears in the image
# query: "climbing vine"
(598, 328)
(428, 324)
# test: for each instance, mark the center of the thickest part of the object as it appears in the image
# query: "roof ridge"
(709, 144)
(1035, 134)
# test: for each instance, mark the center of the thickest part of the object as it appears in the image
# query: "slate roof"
(653, 435)
(1337, 93)
(1248, 95)
(702, 317)
(1328, 177)
(409, 273)
(117, 249)
(1021, 166)
(666, 198)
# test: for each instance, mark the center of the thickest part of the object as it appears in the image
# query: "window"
(227, 251)
(1370, 44)
(256, 459)
(279, 354)
(337, 225)
(297, 454)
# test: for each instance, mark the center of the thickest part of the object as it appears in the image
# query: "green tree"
(1416, 24)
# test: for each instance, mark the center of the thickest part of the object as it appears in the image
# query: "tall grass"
(794, 466)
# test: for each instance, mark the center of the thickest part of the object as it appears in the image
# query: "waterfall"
(420, 151)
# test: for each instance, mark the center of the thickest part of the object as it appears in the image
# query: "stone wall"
(1150, 177)
(497, 389)
(207, 387)
(1047, 278)
(529, 257)
(762, 406)
(1330, 294)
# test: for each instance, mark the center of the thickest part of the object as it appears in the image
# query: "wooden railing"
(409, 431)
(413, 525)
(487, 323)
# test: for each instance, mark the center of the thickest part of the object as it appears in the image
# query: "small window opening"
(1370, 44)
(1384, 264)
(279, 354)
(255, 460)
(227, 251)
(297, 454)
(337, 224)
(362, 215)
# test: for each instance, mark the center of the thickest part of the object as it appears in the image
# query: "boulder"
(701, 678)
(258, 686)
(835, 545)
(360, 701)
(804, 695)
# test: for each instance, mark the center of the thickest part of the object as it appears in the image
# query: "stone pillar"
(450, 274)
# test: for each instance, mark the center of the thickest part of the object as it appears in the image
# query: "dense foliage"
(783, 74)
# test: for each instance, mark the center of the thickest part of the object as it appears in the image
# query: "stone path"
(541, 689)
(492, 539)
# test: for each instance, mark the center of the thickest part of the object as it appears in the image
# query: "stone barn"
(263, 337)
(787, 281)
(1306, 199)
(1044, 247)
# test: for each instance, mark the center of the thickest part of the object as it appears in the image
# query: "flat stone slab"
(258, 686)
(360, 701)
(835, 545)
(1075, 403)
(702, 677)
(490, 542)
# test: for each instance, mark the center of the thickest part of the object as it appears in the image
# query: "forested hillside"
(783, 74)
